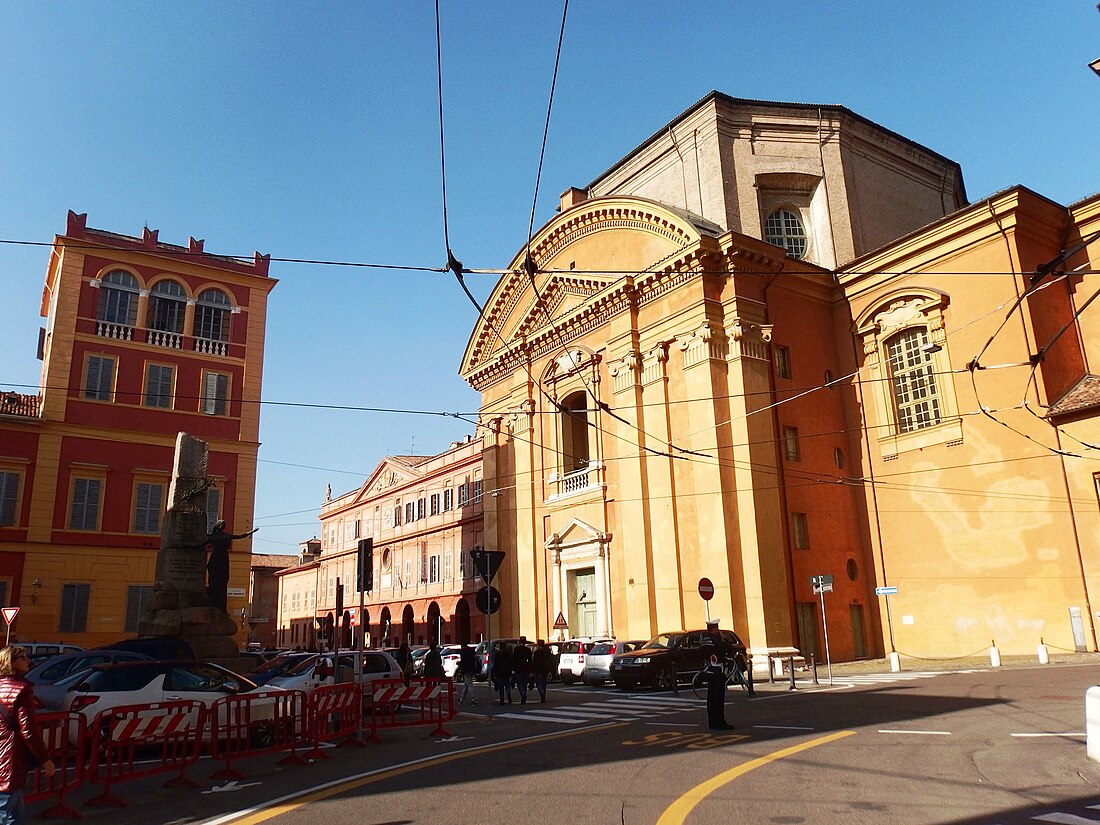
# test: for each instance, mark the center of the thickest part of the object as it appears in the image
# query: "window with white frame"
(463, 494)
(158, 385)
(212, 312)
(433, 508)
(167, 304)
(118, 299)
(421, 508)
(477, 491)
(448, 499)
(99, 377)
(462, 567)
(9, 498)
(447, 567)
(784, 229)
(433, 569)
(912, 380)
(410, 512)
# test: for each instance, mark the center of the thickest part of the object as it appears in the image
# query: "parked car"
(165, 648)
(137, 683)
(279, 666)
(39, 652)
(417, 653)
(45, 675)
(451, 655)
(597, 661)
(670, 658)
(571, 655)
(318, 669)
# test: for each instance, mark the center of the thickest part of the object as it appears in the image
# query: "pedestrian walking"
(433, 663)
(542, 661)
(502, 674)
(713, 661)
(467, 666)
(403, 657)
(21, 744)
(521, 667)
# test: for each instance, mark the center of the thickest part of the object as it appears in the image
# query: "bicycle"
(734, 674)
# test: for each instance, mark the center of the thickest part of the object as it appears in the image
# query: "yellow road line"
(677, 812)
(340, 787)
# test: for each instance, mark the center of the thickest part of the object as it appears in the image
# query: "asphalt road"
(986, 747)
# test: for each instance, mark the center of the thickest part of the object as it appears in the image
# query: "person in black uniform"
(521, 667)
(713, 660)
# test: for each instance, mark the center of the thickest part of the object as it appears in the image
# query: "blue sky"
(312, 131)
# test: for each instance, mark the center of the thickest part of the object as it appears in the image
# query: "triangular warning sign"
(560, 623)
(9, 613)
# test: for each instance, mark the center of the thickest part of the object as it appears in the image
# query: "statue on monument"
(217, 567)
(184, 603)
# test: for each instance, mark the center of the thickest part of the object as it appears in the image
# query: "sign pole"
(825, 627)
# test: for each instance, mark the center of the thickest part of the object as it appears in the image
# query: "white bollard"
(1092, 723)
(777, 667)
(994, 656)
(1044, 657)
(895, 662)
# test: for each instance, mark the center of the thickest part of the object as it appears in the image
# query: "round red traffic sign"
(706, 589)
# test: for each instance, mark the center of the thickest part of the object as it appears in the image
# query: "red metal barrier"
(176, 728)
(335, 712)
(433, 700)
(66, 738)
(257, 723)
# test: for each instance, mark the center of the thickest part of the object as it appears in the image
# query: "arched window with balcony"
(118, 305)
(167, 305)
(212, 313)
(575, 453)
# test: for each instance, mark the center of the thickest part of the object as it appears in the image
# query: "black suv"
(670, 658)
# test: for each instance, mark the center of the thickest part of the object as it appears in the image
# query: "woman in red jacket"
(20, 737)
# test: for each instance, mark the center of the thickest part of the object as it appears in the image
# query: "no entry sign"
(706, 589)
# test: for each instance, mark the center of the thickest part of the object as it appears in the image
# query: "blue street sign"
(886, 591)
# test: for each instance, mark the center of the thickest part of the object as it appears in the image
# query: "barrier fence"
(433, 698)
(255, 724)
(172, 736)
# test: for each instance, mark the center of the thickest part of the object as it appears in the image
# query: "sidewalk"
(914, 664)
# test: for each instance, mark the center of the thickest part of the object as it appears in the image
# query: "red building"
(143, 340)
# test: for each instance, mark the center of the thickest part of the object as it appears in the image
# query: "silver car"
(597, 663)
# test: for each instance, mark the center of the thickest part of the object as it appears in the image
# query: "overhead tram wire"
(466, 270)
(974, 365)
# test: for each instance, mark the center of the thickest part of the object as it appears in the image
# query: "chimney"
(571, 197)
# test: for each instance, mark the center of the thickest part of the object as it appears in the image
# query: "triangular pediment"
(390, 472)
(582, 254)
(575, 533)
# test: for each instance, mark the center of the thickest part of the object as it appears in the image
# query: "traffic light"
(365, 579)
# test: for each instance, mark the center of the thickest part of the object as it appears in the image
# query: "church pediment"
(584, 253)
(574, 534)
(389, 473)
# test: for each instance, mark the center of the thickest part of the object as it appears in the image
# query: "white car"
(139, 683)
(318, 670)
(451, 655)
(571, 656)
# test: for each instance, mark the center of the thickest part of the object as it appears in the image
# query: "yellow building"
(143, 339)
(631, 366)
(973, 340)
(715, 363)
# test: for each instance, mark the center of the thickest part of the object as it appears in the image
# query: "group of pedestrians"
(516, 665)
